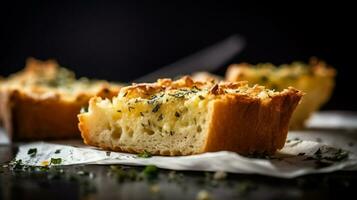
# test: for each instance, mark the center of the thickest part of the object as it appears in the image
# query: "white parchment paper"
(292, 161)
(328, 131)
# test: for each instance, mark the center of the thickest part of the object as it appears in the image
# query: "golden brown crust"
(245, 125)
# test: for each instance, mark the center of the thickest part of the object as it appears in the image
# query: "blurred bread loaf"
(42, 101)
(315, 78)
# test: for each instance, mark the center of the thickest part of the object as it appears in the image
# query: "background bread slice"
(184, 117)
(43, 100)
(316, 79)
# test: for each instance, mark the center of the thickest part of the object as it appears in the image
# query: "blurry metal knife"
(208, 59)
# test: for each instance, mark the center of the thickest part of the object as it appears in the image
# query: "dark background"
(121, 41)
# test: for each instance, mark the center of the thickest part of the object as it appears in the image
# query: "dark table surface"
(102, 182)
(98, 183)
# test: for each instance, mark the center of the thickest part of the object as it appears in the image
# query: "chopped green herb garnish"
(56, 161)
(177, 114)
(152, 99)
(130, 108)
(121, 175)
(16, 165)
(318, 153)
(156, 108)
(118, 110)
(333, 155)
(144, 154)
(182, 93)
(141, 113)
(58, 151)
(160, 117)
(150, 171)
(32, 152)
(125, 94)
(201, 97)
(339, 155)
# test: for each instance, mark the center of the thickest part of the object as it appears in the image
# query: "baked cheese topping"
(184, 95)
(45, 79)
(283, 76)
